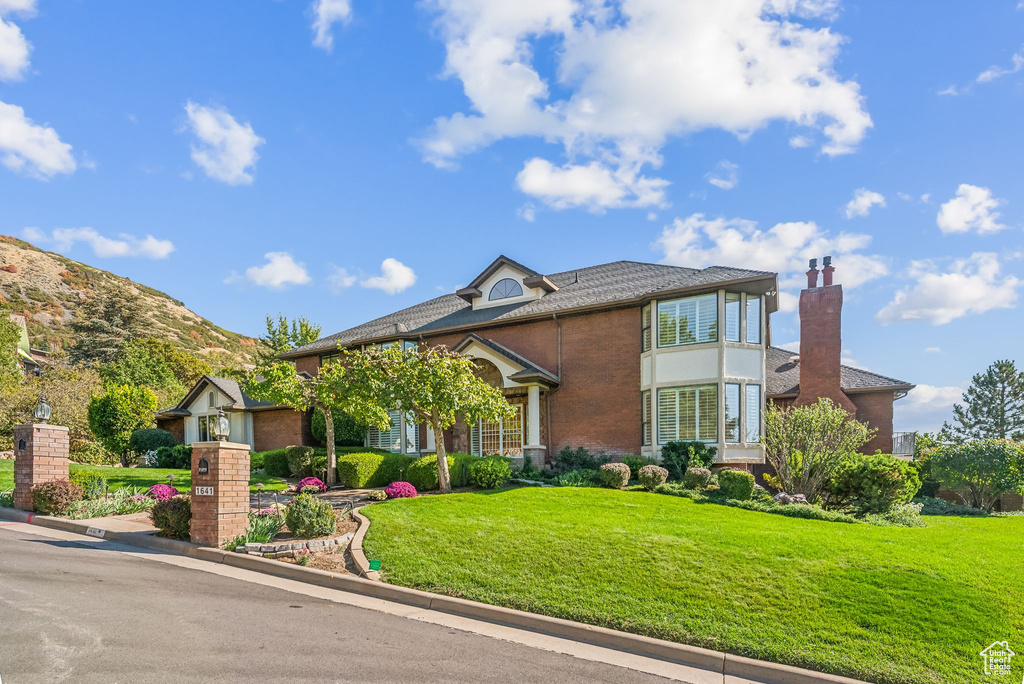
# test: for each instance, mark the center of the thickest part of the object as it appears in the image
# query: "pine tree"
(993, 406)
(281, 336)
(112, 317)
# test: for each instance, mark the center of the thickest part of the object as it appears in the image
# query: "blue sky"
(342, 159)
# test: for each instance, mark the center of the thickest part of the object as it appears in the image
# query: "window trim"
(517, 292)
(646, 427)
(697, 422)
(740, 407)
(713, 339)
(646, 333)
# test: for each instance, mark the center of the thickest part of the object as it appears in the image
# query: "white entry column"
(533, 449)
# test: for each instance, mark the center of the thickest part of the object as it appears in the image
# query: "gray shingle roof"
(617, 282)
(530, 369)
(231, 388)
(784, 376)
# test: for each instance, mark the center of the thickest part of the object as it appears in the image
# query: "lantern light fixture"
(221, 426)
(42, 411)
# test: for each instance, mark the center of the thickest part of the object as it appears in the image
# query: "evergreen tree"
(993, 406)
(282, 336)
(10, 369)
(113, 316)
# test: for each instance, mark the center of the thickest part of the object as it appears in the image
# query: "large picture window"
(688, 413)
(688, 321)
(753, 417)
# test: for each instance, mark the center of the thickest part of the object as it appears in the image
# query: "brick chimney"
(821, 310)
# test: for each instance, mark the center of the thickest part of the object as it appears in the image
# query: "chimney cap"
(827, 262)
(813, 263)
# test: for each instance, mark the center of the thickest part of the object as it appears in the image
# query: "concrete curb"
(355, 547)
(693, 656)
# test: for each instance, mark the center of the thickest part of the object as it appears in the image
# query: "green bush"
(490, 473)
(635, 463)
(899, 515)
(275, 462)
(347, 431)
(308, 517)
(372, 469)
(872, 484)
(255, 460)
(421, 473)
(736, 484)
(652, 476)
(980, 471)
(677, 456)
(173, 517)
(614, 475)
(581, 477)
(149, 440)
(460, 469)
(805, 511)
(569, 459)
(697, 478)
(935, 506)
(179, 456)
(300, 460)
(93, 484)
(92, 453)
(7, 498)
(55, 497)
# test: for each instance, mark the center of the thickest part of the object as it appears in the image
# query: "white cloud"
(527, 212)
(863, 200)
(125, 245)
(972, 208)
(972, 285)
(926, 408)
(29, 148)
(26, 8)
(800, 141)
(949, 90)
(994, 72)
(340, 279)
(697, 241)
(933, 350)
(595, 186)
(395, 277)
(724, 176)
(280, 270)
(14, 51)
(325, 14)
(926, 198)
(636, 73)
(226, 149)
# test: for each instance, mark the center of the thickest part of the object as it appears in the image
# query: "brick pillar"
(40, 455)
(220, 497)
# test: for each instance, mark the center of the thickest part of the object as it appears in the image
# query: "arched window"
(503, 289)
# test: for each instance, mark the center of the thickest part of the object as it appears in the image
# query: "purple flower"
(312, 482)
(161, 492)
(268, 511)
(400, 490)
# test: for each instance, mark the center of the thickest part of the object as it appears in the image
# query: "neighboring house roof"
(783, 376)
(617, 283)
(230, 388)
(531, 371)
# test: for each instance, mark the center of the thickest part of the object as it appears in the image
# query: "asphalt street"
(76, 611)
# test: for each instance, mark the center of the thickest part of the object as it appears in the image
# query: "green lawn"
(143, 477)
(878, 603)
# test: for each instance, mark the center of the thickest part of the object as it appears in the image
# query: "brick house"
(259, 424)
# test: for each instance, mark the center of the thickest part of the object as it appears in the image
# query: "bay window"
(645, 417)
(688, 413)
(645, 326)
(688, 321)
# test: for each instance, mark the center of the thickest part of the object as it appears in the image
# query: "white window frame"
(698, 390)
(676, 303)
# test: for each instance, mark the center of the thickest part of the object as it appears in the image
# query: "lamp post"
(221, 426)
(42, 411)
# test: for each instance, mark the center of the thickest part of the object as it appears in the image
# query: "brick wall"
(43, 458)
(224, 514)
(821, 310)
(278, 429)
(875, 409)
(176, 426)
(308, 364)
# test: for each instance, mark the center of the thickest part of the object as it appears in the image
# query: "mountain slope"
(48, 290)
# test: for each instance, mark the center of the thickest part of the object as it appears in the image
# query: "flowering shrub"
(696, 478)
(172, 516)
(312, 482)
(309, 517)
(268, 511)
(376, 495)
(400, 490)
(615, 475)
(55, 497)
(162, 492)
(650, 476)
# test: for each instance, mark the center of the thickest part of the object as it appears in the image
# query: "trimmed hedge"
(422, 472)
(460, 467)
(736, 484)
(491, 473)
(275, 462)
(179, 456)
(372, 469)
(172, 517)
(148, 440)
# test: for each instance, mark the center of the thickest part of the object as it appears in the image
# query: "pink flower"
(312, 482)
(400, 490)
(161, 492)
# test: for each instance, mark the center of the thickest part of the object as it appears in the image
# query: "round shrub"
(92, 453)
(173, 516)
(872, 484)
(315, 482)
(635, 463)
(614, 475)
(697, 478)
(149, 440)
(490, 473)
(422, 472)
(650, 476)
(55, 497)
(300, 460)
(400, 490)
(178, 456)
(162, 492)
(308, 517)
(736, 484)
(93, 485)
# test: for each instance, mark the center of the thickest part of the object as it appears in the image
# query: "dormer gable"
(505, 282)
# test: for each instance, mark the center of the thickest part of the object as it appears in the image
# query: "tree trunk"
(125, 463)
(444, 478)
(332, 459)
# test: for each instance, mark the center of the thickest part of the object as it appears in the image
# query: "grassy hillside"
(48, 290)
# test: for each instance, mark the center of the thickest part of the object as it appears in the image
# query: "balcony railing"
(903, 444)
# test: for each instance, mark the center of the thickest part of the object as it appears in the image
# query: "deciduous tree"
(10, 370)
(114, 416)
(980, 471)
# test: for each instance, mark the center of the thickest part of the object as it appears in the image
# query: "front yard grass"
(143, 477)
(886, 604)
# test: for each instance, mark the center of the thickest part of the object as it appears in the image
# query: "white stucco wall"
(686, 365)
(744, 363)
